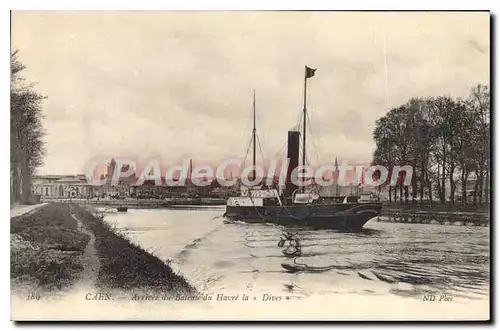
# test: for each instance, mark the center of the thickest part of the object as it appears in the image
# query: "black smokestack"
(293, 156)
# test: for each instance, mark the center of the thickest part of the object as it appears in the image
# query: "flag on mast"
(310, 72)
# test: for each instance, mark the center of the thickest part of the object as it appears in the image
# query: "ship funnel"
(293, 156)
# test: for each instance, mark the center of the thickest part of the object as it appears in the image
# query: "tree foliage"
(446, 140)
(26, 132)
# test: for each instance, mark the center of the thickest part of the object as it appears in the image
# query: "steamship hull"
(295, 206)
(342, 217)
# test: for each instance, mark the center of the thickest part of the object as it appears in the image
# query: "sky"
(175, 85)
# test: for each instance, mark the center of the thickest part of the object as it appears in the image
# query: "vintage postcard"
(260, 165)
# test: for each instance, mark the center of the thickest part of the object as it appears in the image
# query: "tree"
(26, 132)
(393, 144)
(384, 154)
(480, 108)
(463, 151)
(445, 140)
(423, 137)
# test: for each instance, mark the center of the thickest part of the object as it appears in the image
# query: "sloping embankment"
(47, 249)
(127, 266)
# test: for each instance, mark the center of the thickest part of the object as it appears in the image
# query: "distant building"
(62, 186)
(333, 189)
(124, 186)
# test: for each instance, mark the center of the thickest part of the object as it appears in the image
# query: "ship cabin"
(256, 197)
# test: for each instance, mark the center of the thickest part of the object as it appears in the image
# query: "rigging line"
(251, 137)
(300, 151)
(246, 154)
(313, 140)
(248, 148)
(316, 139)
(263, 150)
(317, 128)
(300, 110)
(282, 149)
(251, 120)
(245, 159)
(260, 149)
(300, 148)
(298, 126)
(307, 157)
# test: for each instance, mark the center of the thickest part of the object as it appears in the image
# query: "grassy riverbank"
(127, 266)
(47, 248)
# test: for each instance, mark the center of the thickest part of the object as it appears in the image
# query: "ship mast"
(253, 139)
(309, 72)
(304, 126)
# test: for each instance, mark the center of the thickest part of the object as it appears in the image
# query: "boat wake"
(184, 254)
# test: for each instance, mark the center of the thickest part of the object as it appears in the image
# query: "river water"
(387, 272)
(385, 259)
